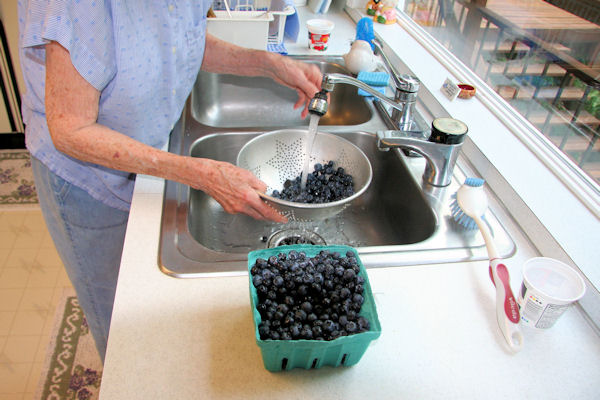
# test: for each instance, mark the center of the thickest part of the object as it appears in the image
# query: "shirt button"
(171, 7)
(173, 91)
(174, 49)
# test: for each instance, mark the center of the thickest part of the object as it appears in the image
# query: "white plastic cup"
(549, 288)
(319, 33)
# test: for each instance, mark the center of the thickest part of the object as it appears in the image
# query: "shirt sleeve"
(84, 28)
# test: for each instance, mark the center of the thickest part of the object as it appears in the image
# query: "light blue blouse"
(143, 56)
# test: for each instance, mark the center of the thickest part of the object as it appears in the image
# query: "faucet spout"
(330, 80)
(441, 158)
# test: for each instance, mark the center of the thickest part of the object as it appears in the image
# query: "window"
(544, 60)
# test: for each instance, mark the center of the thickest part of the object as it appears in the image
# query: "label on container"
(536, 311)
(317, 41)
(450, 89)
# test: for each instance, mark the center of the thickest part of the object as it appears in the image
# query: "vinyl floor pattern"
(32, 279)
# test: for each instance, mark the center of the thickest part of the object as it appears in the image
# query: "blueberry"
(306, 307)
(295, 329)
(349, 274)
(300, 315)
(335, 334)
(278, 281)
(345, 293)
(351, 327)
(329, 325)
(285, 335)
(257, 280)
(363, 323)
(303, 290)
(283, 308)
(343, 320)
(278, 315)
(306, 333)
(263, 330)
(357, 299)
(317, 331)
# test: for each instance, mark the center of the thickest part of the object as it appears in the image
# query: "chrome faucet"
(406, 90)
(440, 149)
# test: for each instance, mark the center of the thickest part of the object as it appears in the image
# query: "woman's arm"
(224, 57)
(72, 111)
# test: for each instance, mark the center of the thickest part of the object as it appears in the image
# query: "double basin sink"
(398, 221)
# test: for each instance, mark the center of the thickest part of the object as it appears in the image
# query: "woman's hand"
(232, 187)
(224, 57)
(304, 78)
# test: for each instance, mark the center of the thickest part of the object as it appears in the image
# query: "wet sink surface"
(392, 211)
(397, 221)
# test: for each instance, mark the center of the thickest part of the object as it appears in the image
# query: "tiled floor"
(32, 279)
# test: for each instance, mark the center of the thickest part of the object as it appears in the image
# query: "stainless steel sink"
(387, 214)
(398, 221)
(227, 101)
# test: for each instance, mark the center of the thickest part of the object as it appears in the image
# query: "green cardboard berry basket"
(279, 355)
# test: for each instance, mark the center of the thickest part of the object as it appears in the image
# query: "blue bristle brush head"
(457, 212)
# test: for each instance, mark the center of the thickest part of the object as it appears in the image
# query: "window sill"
(560, 215)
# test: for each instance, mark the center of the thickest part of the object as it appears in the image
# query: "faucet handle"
(448, 131)
(403, 82)
(408, 83)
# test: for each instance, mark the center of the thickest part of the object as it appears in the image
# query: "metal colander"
(277, 156)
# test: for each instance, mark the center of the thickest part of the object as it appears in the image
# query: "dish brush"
(468, 208)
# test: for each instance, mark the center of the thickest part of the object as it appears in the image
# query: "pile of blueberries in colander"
(324, 185)
(301, 297)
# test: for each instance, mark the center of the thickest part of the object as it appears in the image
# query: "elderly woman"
(106, 81)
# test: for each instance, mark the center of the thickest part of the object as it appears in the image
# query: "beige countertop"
(193, 338)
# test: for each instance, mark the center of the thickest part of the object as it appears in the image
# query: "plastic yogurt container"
(319, 33)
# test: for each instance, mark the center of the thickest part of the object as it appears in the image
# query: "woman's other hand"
(232, 187)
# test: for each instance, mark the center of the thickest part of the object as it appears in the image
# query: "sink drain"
(294, 236)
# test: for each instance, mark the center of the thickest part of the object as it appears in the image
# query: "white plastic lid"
(319, 26)
(553, 279)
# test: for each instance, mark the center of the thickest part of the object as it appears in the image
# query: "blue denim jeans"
(89, 237)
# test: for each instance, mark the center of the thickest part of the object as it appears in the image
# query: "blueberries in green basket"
(313, 298)
(325, 184)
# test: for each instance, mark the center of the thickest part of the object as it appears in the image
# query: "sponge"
(378, 78)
